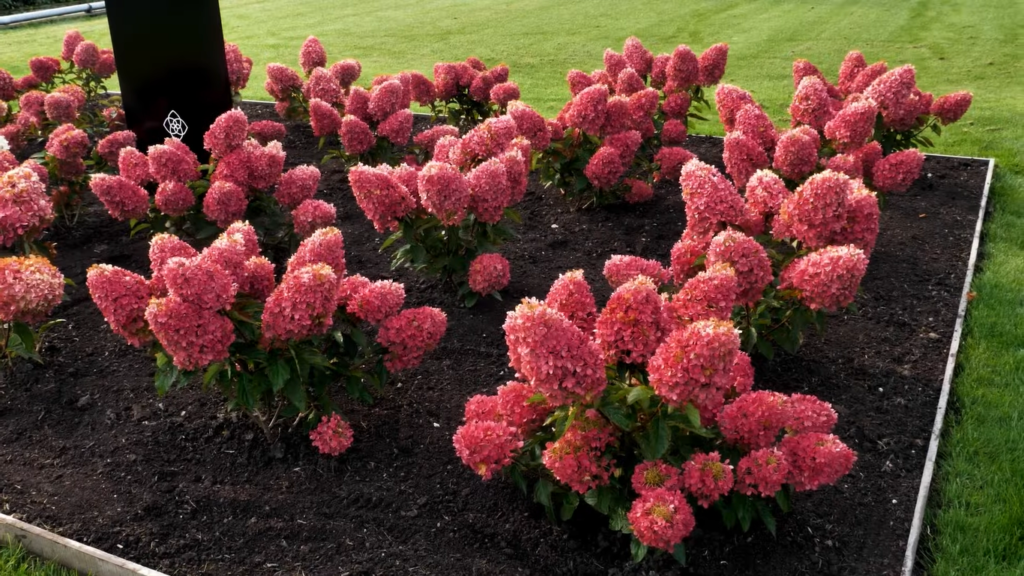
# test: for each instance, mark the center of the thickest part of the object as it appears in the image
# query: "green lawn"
(978, 513)
(14, 561)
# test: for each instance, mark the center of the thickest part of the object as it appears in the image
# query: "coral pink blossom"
(257, 279)
(605, 168)
(232, 248)
(747, 258)
(224, 203)
(848, 164)
(639, 191)
(853, 125)
(30, 288)
(853, 64)
(671, 160)
(122, 199)
(325, 246)
(897, 171)
(578, 81)
(72, 38)
(673, 132)
(31, 103)
(428, 138)
(480, 88)
(710, 198)
(409, 335)
(628, 82)
(869, 155)
(302, 305)
(694, 364)
(519, 410)
(570, 295)
(60, 108)
(754, 123)
(162, 248)
(796, 153)
(227, 133)
(816, 460)
(332, 436)
(683, 68)
(200, 282)
(312, 215)
(755, 419)
(168, 162)
(297, 185)
(862, 217)
(490, 138)
(530, 124)
(828, 278)
(619, 270)
(397, 128)
(44, 68)
(502, 94)
(192, 336)
(122, 297)
(816, 212)
(866, 77)
(707, 478)
(630, 327)
(481, 408)
(174, 198)
(655, 475)
(589, 108)
(637, 57)
(811, 103)
(712, 64)
(444, 192)
(385, 100)
(68, 143)
(897, 97)
(614, 63)
(809, 414)
(951, 107)
(377, 302)
(661, 519)
(346, 72)
(486, 446)
(266, 163)
(677, 106)
(488, 273)
(348, 287)
(729, 100)
(134, 166)
(25, 209)
(109, 148)
(356, 136)
(709, 295)
(87, 55)
(312, 55)
(381, 197)
(239, 67)
(743, 156)
(692, 245)
(553, 354)
(766, 192)
(659, 70)
(322, 85)
(576, 459)
(266, 131)
(762, 472)
(324, 118)
(422, 89)
(742, 374)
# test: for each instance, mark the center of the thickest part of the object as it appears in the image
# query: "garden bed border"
(74, 555)
(910, 559)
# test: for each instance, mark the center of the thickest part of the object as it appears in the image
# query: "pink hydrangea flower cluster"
(710, 295)
(685, 252)
(519, 409)
(852, 126)
(377, 301)
(312, 215)
(898, 98)
(695, 363)
(729, 100)
(25, 209)
(796, 153)
(122, 298)
(710, 198)
(812, 104)
(816, 211)
(571, 295)
(661, 519)
(747, 258)
(332, 436)
(225, 203)
(762, 472)
(297, 185)
(897, 171)
(123, 199)
(381, 196)
(826, 279)
(619, 270)
(30, 288)
(239, 67)
(578, 458)
(816, 459)
(488, 273)
(194, 337)
(951, 107)
(707, 478)
(409, 335)
(743, 156)
(486, 446)
(631, 326)
(653, 475)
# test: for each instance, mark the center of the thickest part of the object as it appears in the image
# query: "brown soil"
(88, 450)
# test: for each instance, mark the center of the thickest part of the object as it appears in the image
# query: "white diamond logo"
(175, 126)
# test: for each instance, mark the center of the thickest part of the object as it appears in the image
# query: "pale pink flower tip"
(661, 519)
(571, 295)
(712, 64)
(332, 436)
(488, 273)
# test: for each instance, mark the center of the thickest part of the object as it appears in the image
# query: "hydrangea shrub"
(279, 350)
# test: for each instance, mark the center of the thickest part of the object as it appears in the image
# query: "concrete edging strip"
(79, 557)
(933, 446)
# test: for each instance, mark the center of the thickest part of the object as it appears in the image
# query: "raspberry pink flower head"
(692, 245)
(639, 191)
(224, 203)
(683, 68)
(106, 67)
(643, 104)
(671, 160)
(677, 105)
(486, 446)
(227, 133)
(578, 81)
(428, 138)
(630, 327)
(743, 156)
(134, 166)
(332, 436)
(828, 278)
(25, 209)
(816, 212)
(346, 72)
(481, 408)
(951, 107)
(673, 132)
(754, 123)
(637, 57)
(122, 297)
(312, 215)
(862, 217)
(553, 354)
(896, 94)
(192, 336)
(8, 87)
(444, 192)
(232, 248)
(281, 80)
(109, 148)
(853, 64)
(747, 258)
(709, 295)
(266, 163)
(72, 38)
(517, 409)
(853, 125)
(766, 192)
(589, 109)
(422, 89)
(710, 198)
(257, 279)
(614, 63)
(60, 108)
(174, 198)
(661, 519)
(87, 55)
(729, 100)
(762, 472)
(530, 124)
(70, 169)
(381, 197)
(302, 305)
(576, 459)
(325, 246)
(490, 138)
(480, 88)
(377, 302)
(122, 199)
(809, 414)
(712, 64)
(848, 164)
(68, 143)
(605, 168)
(619, 270)
(173, 161)
(31, 104)
(239, 67)
(356, 136)
(200, 282)
(659, 71)
(755, 419)
(30, 288)
(386, 99)
(409, 335)
(897, 171)
(312, 55)
(811, 103)
(570, 295)
(866, 77)
(325, 120)
(323, 86)
(162, 248)
(707, 478)
(796, 153)
(816, 460)
(627, 143)
(266, 131)
(653, 475)
(694, 364)
(297, 185)
(628, 83)
(488, 273)
(502, 94)
(397, 128)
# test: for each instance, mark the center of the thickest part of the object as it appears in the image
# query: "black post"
(171, 68)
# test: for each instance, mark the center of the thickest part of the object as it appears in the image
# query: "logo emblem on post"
(175, 126)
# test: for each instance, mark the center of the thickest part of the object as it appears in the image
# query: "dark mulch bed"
(90, 451)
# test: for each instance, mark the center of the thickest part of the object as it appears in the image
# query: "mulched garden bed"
(88, 450)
